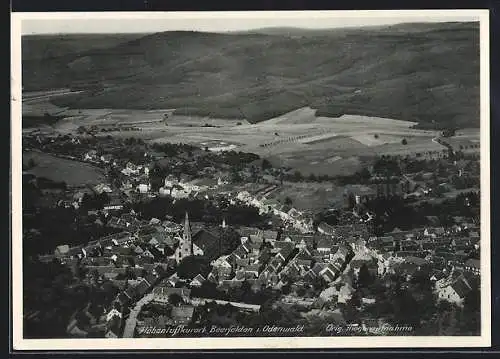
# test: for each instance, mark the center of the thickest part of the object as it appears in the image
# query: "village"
(159, 269)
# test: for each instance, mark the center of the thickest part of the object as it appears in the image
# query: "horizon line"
(250, 30)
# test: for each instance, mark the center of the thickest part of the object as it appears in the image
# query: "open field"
(312, 197)
(74, 173)
(317, 145)
(40, 105)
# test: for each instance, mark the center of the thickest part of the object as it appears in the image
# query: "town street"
(131, 321)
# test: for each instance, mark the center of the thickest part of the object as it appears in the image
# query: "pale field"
(369, 139)
(299, 139)
(332, 147)
(415, 145)
(305, 196)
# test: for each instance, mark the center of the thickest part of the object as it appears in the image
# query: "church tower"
(185, 248)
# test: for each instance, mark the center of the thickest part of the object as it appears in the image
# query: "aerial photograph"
(249, 178)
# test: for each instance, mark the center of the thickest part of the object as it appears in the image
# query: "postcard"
(250, 180)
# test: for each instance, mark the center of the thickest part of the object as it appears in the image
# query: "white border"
(249, 343)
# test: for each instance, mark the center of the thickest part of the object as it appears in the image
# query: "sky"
(58, 23)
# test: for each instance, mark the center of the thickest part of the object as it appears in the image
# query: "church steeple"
(186, 237)
(185, 248)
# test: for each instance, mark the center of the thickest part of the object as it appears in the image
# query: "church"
(203, 243)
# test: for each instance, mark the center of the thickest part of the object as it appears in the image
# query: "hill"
(51, 46)
(426, 73)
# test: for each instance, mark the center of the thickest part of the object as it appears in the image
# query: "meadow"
(74, 173)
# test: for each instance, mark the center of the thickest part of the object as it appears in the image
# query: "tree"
(175, 299)
(301, 291)
(404, 141)
(375, 135)
(81, 130)
(364, 277)
(286, 289)
(351, 201)
(297, 176)
(156, 176)
(236, 176)
(266, 164)
(190, 266)
(312, 177)
(471, 313)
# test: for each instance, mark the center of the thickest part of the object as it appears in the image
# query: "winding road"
(131, 321)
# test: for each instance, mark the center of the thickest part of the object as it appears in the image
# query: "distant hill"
(51, 46)
(427, 73)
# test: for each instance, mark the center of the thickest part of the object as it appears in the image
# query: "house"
(264, 256)
(454, 291)
(241, 252)
(279, 245)
(172, 280)
(208, 243)
(112, 313)
(324, 246)
(254, 249)
(222, 267)
(113, 327)
(143, 188)
(420, 262)
(241, 262)
(180, 315)
(473, 266)
(406, 269)
(197, 281)
(138, 250)
(115, 204)
(256, 238)
(213, 277)
(269, 236)
(102, 188)
(90, 155)
(325, 228)
(292, 270)
(107, 158)
(247, 231)
(314, 271)
(75, 252)
(368, 300)
(61, 250)
(161, 294)
(436, 275)
(330, 271)
(342, 252)
(345, 293)
(142, 287)
(252, 270)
